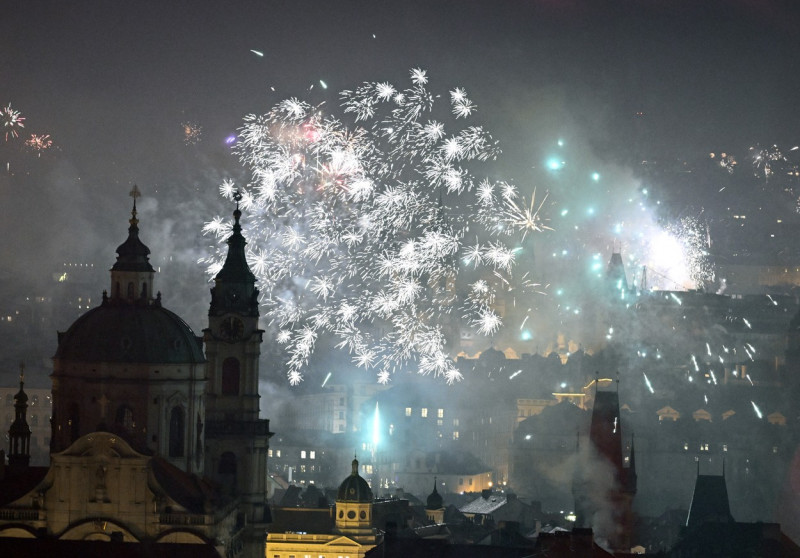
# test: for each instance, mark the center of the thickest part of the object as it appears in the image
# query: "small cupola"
(132, 274)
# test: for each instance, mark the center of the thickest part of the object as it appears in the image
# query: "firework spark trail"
(12, 121)
(39, 143)
(349, 233)
(192, 132)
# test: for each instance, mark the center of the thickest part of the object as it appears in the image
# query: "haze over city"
(426, 186)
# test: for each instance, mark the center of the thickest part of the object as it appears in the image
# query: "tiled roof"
(485, 506)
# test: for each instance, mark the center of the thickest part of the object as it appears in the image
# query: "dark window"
(130, 290)
(227, 464)
(124, 417)
(230, 376)
(177, 426)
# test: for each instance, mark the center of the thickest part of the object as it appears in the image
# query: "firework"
(766, 161)
(12, 121)
(192, 132)
(357, 223)
(38, 143)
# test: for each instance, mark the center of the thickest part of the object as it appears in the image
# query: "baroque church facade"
(154, 440)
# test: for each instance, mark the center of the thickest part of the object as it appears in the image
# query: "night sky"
(113, 84)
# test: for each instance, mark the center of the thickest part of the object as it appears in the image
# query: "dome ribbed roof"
(133, 333)
(354, 488)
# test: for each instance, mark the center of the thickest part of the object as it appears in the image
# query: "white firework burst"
(353, 231)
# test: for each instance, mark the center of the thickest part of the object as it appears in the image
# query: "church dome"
(354, 488)
(135, 333)
(435, 500)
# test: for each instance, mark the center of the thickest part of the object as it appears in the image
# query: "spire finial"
(21, 372)
(134, 193)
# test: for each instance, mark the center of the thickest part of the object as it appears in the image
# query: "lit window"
(724, 447)
(455, 422)
(424, 412)
(278, 453)
(440, 413)
(455, 435)
(269, 453)
(408, 411)
(312, 454)
(302, 454)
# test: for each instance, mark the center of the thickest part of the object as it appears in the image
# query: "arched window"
(117, 290)
(124, 418)
(177, 427)
(130, 290)
(230, 376)
(144, 290)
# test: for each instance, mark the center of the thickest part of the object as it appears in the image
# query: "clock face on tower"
(231, 328)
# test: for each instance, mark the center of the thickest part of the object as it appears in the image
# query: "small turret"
(19, 435)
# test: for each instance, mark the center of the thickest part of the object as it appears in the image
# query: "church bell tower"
(236, 438)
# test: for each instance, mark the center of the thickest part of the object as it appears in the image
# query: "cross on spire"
(134, 193)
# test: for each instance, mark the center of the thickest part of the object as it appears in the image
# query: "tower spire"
(19, 434)
(234, 289)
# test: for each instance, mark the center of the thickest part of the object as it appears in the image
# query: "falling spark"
(647, 383)
(257, 52)
(756, 409)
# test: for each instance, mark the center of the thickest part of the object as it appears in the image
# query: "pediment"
(343, 541)
(668, 412)
(701, 414)
(100, 444)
